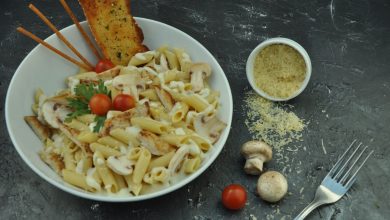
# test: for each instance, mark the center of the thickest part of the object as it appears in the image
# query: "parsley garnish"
(80, 103)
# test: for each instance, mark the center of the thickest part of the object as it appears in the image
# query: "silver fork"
(339, 179)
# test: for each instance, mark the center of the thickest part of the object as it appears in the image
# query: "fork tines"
(349, 164)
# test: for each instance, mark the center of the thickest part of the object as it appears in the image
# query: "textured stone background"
(347, 98)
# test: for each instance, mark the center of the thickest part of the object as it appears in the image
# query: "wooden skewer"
(54, 29)
(39, 40)
(83, 33)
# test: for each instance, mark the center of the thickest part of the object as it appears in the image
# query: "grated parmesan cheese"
(279, 70)
(269, 122)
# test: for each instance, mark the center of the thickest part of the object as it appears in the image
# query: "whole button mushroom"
(256, 153)
(272, 186)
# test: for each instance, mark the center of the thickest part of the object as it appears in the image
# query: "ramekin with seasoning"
(278, 69)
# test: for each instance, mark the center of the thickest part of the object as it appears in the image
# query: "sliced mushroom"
(120, 165)
(178, 159)
(199, 72)
(208, 126)
(256, 153)
(165, 98)
(153, 143)
(133, 82)
(119, 120)
(142, 58)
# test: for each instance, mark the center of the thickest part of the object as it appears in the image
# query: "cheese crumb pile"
(269, 122)
(279, 70)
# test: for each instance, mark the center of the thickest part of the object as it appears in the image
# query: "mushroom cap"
(257, 148)
(201, 67)
(272, 186)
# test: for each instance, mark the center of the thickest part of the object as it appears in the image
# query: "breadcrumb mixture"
(279, 70)
(269, 122)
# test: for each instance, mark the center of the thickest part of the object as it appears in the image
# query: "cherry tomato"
(103, 65)
(100, 104)
(234, 197)
(123, 102)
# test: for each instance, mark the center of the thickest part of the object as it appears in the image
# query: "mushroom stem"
(252, 163)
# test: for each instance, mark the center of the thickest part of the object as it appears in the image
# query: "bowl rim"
(278, 40)
(108, 198)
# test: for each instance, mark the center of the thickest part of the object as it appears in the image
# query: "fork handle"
(309, 208)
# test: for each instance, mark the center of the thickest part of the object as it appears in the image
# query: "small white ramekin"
(277, 40)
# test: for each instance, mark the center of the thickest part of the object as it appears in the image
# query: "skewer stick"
(82, 31)
(54, 29)
(48, 46)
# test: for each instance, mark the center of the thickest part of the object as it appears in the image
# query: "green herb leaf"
(80, 103)
(80, 108)
(99, 123)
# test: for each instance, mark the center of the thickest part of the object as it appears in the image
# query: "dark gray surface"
(347, 98)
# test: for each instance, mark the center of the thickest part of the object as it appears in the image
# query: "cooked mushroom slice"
(120, 165)
(199, 72)
(256, 153)
(132, 81)
(118, 120)
(153, 143)
(54, 112)
(178, 159)
(142, 110)
(165, 98)
(208, 126)
(272, 186)
(142, 58)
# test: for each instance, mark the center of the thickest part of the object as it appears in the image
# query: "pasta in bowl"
(176, 129)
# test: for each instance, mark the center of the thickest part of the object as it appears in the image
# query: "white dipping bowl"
(277, 40)
(43, 69)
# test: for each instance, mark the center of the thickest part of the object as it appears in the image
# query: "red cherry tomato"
(103, 65)
(100, 104)
(234, 197)
(123, 102)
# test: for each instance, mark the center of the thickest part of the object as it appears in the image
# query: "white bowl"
(277, 40)
(43, 69)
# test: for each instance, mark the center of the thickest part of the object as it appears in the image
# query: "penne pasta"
(120, 181)
(203, 143)
(87, 118)
(150, 125)
(162, 161)
(150, 94)
(191, 165)
(105, 173)
(134, 188)
(141, 166)
(78, 125)
(134, 153)
(111, 142)
(76, 179)
(184, 60)
(106, 151)
(173, 62)
(87, 137)
(178, 112)
(196, 102)
(174, 139)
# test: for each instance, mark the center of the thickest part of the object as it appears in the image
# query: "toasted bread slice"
(114, 29)
(41, 130)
